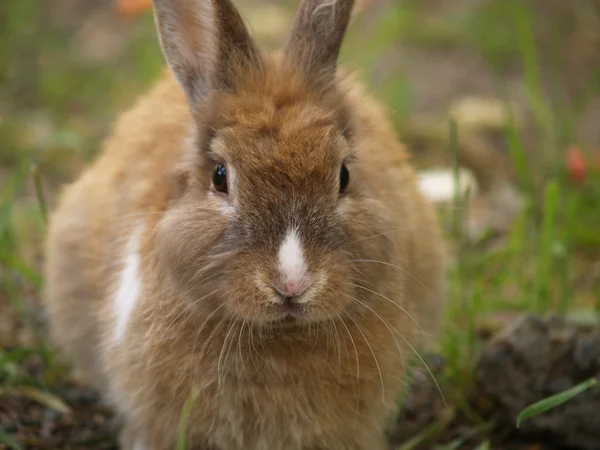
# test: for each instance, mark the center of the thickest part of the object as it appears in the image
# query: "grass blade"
(552, 402)
(185, 415)
(459, 442)
(484, 446)
(44, 398)
(8, 440)
(542, 294)
(445, 419)
(516, 149)
(39, 191)
(566, 289)
(522, 17)
(457, 216)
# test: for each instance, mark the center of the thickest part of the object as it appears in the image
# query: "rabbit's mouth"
(289, 319)
(291, 313)
(286, 321)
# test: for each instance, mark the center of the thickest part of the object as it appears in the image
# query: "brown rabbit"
(252, 230)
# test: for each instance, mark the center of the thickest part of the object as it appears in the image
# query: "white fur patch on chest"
(128, 287)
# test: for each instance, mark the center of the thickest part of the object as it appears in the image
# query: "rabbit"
(251, 242)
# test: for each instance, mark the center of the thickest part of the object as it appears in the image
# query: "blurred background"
(499, 103)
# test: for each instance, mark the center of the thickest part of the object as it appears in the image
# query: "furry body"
(148, 271)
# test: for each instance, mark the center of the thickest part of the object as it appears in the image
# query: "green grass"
(554, 401)
(56, 105)
(183, 422)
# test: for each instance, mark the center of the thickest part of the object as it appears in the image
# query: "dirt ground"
(532, 358)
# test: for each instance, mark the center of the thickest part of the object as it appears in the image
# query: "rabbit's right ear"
(316, 37)
(205, 43)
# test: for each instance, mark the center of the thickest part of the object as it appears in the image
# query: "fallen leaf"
(45, 398)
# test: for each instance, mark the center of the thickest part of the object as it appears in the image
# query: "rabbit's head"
(272, 209)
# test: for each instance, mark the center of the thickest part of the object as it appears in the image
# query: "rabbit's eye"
(344, 178)
(219, 178)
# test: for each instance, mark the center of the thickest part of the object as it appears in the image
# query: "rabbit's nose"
(292, 289)
(293, 278)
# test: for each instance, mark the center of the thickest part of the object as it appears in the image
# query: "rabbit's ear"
(316, 38)
(205, 43)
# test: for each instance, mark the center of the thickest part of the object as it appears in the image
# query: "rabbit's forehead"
(260, 129)
(309, 150)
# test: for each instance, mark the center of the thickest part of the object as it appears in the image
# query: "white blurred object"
(484, 113)
(439, 185)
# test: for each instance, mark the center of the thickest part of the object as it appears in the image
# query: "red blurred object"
(131, 8)
(576, 164)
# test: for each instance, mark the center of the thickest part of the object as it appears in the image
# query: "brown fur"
(204, 316)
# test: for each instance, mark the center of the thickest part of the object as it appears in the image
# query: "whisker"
(187, 309)
(251, 346)
(387, 325)
(372, 353)
(198, 284)
(391, 265)
(239, 348)
(355, 349)
(354, 385)
(198, 334)
(316, 338)
(345, 244)
(339, 352)
(437, 385)
(212, 334)
(219, 381)
(201, 328)
(392, 302)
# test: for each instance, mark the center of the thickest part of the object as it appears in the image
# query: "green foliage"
(556, 400)
(9, 441)
(187, 409)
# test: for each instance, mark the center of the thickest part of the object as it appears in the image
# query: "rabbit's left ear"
(205, 43)
(316, 37)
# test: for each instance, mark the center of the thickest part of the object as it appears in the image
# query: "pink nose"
(292, 288)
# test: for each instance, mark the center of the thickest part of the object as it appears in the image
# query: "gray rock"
(538, 357)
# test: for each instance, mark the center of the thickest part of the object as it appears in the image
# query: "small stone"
(586, 353)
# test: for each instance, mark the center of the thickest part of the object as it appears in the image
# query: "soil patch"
(529, 360)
